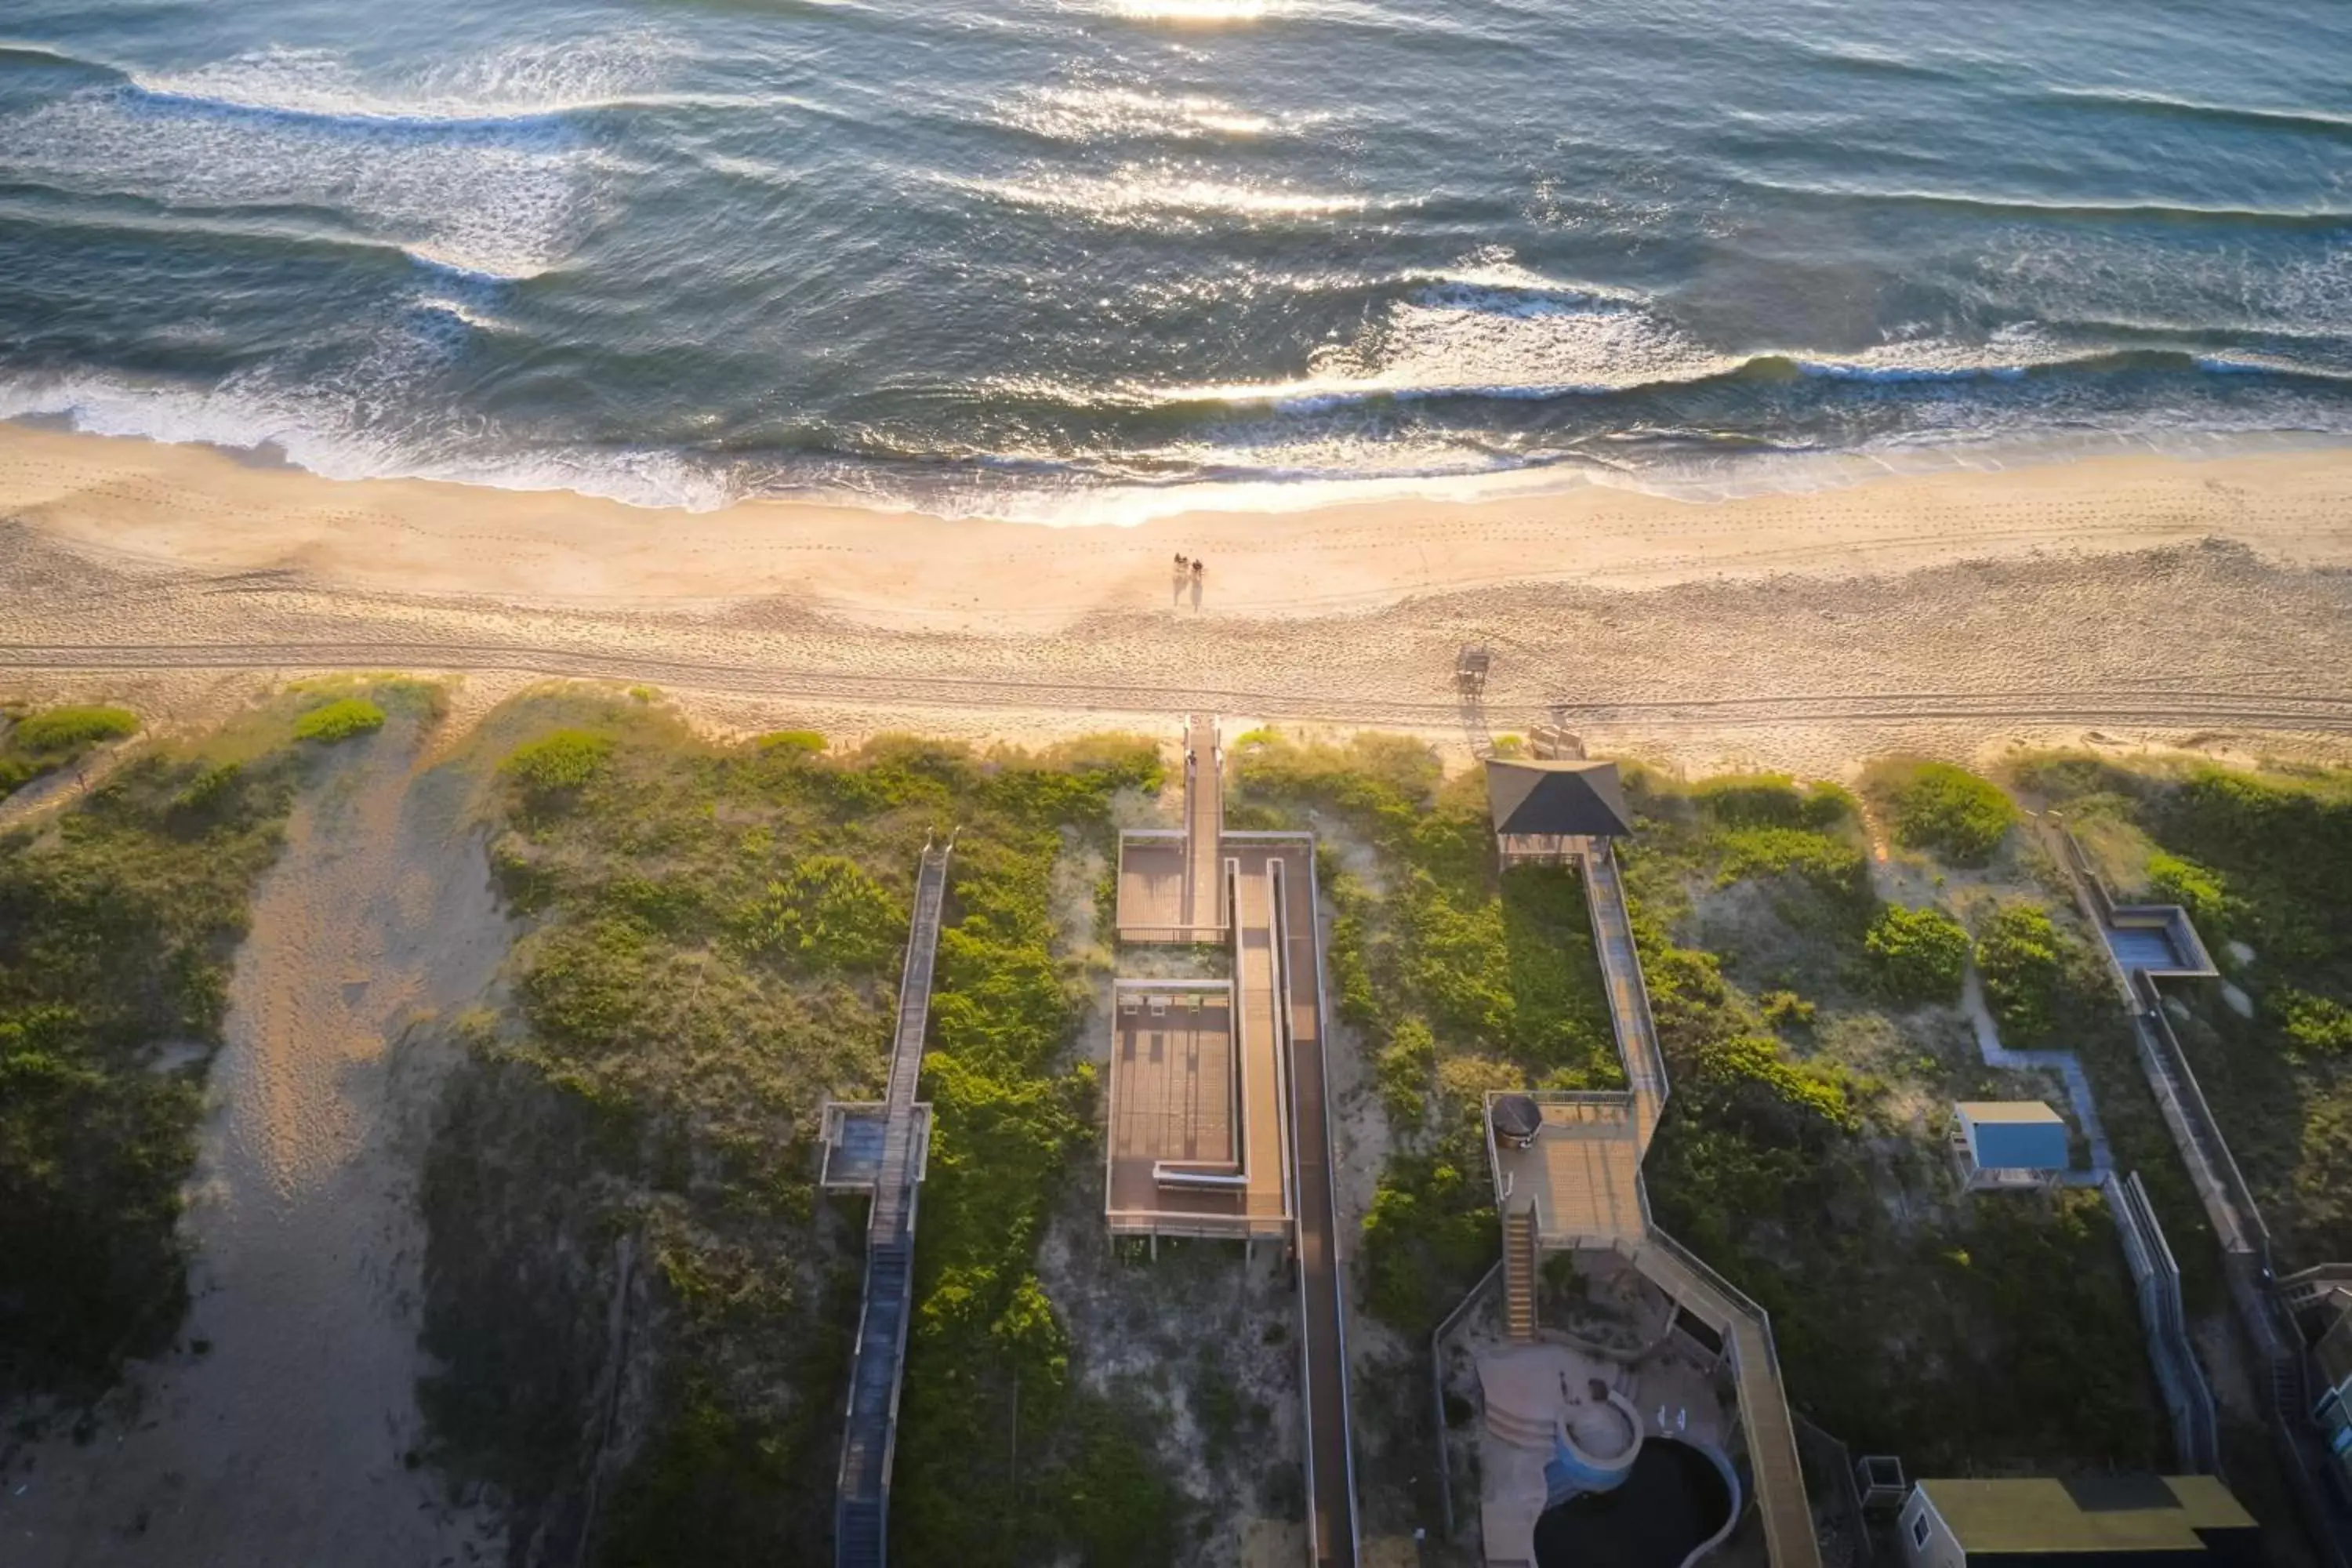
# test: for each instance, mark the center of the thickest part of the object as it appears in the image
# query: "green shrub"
(1430, 1231)
(807, 741)
(826, 913)
(1917, 955)
(2315, 1024)
(1787, 1010)
(564, 760)
(2196, 888)
(2022, 956)
(1771, 800)
(1735, 1069)
(1950, 812)
(65, 730)
(1403, 1070)
(1834, 867)
(339, 721)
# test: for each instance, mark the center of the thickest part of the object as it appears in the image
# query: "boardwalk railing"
(1777, 1475)
(870, 1428)
(1437, 1390)
(1629, 994)
(2237, 1220)
(2196, 1436)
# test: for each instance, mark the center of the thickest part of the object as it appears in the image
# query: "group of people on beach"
(1183, 562)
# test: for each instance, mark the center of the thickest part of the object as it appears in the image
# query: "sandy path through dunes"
(284, 1444)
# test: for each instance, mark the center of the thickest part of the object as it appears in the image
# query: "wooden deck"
(1582, 1178)
(1171, 882)
(1263, 1167)
(1278, 896)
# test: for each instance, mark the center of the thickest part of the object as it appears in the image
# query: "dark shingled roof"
(1543, 798)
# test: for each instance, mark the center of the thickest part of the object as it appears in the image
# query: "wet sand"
(204, 510)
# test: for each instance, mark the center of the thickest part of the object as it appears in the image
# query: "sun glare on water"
(1205, 12)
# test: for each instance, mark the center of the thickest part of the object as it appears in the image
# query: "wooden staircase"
(1520, 1274)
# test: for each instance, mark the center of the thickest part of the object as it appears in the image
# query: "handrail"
(870, 1436)
(1437, 1387)
(2156, 1278)
(1330, 1189)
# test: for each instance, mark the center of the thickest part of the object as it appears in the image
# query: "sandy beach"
(204, 509)
(2136, 597)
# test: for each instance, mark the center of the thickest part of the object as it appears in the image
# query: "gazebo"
(1548, 812)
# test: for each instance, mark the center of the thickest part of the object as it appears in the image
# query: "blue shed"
(2014, 1135)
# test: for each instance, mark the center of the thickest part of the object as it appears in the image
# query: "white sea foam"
(520, 80)
(1515, 335)
(503, 203)
(2009, 352)
(358, 425)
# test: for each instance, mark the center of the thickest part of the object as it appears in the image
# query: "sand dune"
(285, 1437)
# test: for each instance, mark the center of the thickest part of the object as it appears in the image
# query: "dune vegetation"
(1808, 1028)
(34, 743)
(338, 719)
(118, 916)
(1814, 1047)
(2263, 861)
(644, 1306)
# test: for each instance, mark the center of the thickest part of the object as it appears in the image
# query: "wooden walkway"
(1204, 824)
(1777, 1480)
(1296, 989)
(1255, 893)
(870, 1432)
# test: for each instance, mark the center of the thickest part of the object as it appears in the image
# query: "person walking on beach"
(1179, 561)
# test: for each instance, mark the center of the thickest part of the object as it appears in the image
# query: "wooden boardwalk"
(1581, 1185)
(1294, 987)
(1176, 1165)
(870, 1431)
(1204, 824)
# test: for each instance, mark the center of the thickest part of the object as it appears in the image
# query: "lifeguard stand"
(1470, 669)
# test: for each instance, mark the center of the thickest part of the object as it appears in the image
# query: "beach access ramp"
(1219, 1120)
(896, 1158)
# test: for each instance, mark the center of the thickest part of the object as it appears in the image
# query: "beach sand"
(2146, 598)
(204, 509)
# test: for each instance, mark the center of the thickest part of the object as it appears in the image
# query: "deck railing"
(870, 1427)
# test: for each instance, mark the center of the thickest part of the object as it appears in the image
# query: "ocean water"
(1065, 257)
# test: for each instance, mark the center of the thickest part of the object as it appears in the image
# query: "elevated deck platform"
(1196, 1144)
(857, 1134)
(1218, 1119)
(1172, 885)
(1582, 1176)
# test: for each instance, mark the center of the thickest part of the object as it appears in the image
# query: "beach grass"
(714, 937)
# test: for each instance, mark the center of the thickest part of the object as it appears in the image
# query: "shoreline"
(144, 506)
